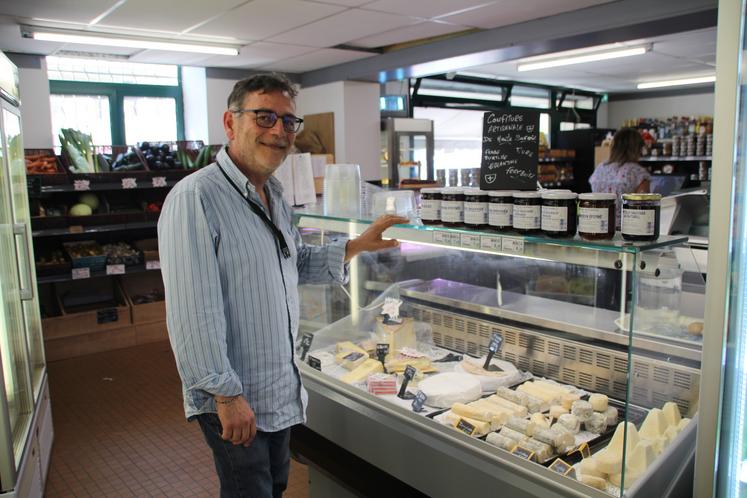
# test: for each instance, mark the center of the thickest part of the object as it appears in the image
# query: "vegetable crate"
(104, 157)
(46, 166)
(86, 254)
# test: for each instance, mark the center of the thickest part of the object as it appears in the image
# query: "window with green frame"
(118, 113)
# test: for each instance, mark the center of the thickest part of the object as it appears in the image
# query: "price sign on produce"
(510, 144)
(81, 185)
(153, 265)
(115, 269)
(158, 181)
(80, 273)
(128, 183)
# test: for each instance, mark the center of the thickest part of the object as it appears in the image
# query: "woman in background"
(622, 174)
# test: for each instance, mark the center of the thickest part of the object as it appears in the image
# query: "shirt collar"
(236, 176)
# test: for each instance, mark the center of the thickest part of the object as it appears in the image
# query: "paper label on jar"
(452, 211)
(638, 221)
(593, 220)
(430, 209)
(527, 217)
(555, 218)
(501, 215)
(476, 213)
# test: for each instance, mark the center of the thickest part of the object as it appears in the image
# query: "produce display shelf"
(675, 158)
(57, 232)
(93, 187)
(65, 277)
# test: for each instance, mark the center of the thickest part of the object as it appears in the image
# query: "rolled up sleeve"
(194, 299)
(320, 264)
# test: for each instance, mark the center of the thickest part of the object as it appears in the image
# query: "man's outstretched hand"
(371, 240)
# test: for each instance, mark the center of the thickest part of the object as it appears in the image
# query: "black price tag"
(382, 349)
(524, 453)
(465, 427)
(417, 403)
(107, 315)
(510, 144)
(315, 363)
(353, 356)
(496, 341)
(306, 341)
(409, 374)
(582, 449)
(563, 468)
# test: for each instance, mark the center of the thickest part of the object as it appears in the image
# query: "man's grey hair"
(262, 83)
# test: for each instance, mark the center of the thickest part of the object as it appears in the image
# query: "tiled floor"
(120, 430)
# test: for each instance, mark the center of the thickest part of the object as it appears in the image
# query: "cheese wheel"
(445, 389)
(570, 422)
(582, 409)
(598, 402)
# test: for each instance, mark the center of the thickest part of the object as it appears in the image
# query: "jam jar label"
(501, 215)
(593, 220)
(430, 209)
(527, 217)
(476, 213)
(638, 221)
(452, 211)
(554, 218)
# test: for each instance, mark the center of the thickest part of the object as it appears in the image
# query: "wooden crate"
(142, 283)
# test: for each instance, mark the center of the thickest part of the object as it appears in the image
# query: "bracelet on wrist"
(227, 401)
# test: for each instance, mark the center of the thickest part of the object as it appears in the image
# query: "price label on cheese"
(315, 363)
(81, 185)
(128, 183)
(409, 372)
(524, 453)
(153, 265)
(470, 240)
(382, 349)
(306, 341)
(408, 376)
(511, 244)
(80, 273)
(496, 341)
(563, 468)
(158, 181)
(417, 403)
(491, 243)
(582, 449)
(115, 269)
(465, 427)
(75, 229)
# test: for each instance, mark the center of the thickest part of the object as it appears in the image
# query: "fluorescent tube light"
(133, 43)
(678, 82)
(579, 59)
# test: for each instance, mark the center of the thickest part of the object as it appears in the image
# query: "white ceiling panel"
(165, 57)
(417, 31)
(428, 8)
(344, 27)
(317, 60)
(508, 12)
(80, 11)
(258, 55)
(261, 19)
(166, 15)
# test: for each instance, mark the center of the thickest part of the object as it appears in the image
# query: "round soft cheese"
(443, 390)
(505, 375)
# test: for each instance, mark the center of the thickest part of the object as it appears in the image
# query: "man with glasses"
(231, 261)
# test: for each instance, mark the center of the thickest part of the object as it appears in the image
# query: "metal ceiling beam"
(611, 22)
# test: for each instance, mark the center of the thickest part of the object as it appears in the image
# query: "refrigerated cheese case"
(464, 361)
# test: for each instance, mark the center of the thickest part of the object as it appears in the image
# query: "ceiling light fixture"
(677, 82)
(118, 41)
(579, 57)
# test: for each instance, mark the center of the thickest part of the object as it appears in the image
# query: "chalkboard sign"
(563, 468)
(382, 349)
(465, 427)
(315, 363)
(417, 403)
(510, 143)
(306, 341)
(524, 453)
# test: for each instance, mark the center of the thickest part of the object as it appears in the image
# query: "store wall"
(36, 111)
(357, 120)
(194, 95)
(217, 91)
(699, 104)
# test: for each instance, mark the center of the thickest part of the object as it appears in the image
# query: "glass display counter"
(463, 360)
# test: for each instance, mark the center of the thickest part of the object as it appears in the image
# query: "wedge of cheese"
(350, 359)
(640, 459)
(654, 425)
(349, 346)
(672, 413)
(610, 459)
(398, 365)
(361, 373)
(589, 467)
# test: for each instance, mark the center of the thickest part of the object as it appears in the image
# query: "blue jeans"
(259, 471)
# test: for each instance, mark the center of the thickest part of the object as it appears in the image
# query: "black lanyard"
(263, 216)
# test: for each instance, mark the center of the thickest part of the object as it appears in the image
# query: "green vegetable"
(81, 210)
(79, 149)
(89, 199)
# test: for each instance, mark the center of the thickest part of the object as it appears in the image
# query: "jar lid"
(559, 195)
(597, 196)
(642, 197)
(431, 190)
(501, 193)
(527, 195)
(452, 190)
(474, 191)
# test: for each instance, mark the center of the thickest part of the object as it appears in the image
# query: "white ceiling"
(303, 35)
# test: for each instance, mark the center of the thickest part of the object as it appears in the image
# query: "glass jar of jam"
(452, 207)
(641, 217)
(475, 208)
(527, 212)
(430, 206)
(501, 209)
(596, 216)
(559, 213)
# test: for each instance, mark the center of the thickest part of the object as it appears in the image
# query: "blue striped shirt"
(232, 305)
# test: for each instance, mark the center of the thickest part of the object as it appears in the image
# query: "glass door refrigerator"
(25, 415)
